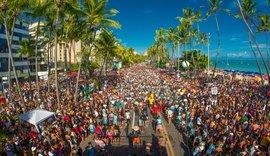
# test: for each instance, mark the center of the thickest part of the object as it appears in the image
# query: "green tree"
(247, 13)
(96, 16)
(9, 12)
(214, 8)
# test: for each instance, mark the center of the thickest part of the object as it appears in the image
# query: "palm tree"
(27, 49)
(189, 17)
(9, 12)
(202, 39)
(214, 8)
(95, 17)
(107, 45)
(162, 49)
(172, 39)
(38, 8)
(265, 27)
(247, 12)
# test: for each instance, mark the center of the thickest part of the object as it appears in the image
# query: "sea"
(241, 64)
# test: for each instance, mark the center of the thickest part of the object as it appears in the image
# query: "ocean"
(248, 65)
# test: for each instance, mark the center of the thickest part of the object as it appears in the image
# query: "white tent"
(36, 116)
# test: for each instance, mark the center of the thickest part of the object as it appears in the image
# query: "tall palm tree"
(9, 12)
(162, 49)
(202, 39)
(107, 45)
(172, 39)
(37, 11)
(96, 16)
(247, 12)
(214, 8)
(265, 27)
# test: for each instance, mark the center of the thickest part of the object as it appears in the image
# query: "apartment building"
(21, 32)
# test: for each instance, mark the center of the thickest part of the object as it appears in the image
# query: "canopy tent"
(36, 116)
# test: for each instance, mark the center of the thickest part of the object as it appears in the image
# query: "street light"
(208, 36)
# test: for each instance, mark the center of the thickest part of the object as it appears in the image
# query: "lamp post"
(208, 36)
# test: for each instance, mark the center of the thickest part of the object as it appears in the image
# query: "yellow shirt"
(151, 101)
(265, 141)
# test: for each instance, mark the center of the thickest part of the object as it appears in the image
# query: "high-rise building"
(42, 52)
(21, 64)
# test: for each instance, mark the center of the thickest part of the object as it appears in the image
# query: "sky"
(140, 19)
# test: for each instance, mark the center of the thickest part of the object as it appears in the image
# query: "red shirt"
(155, 110)
(76, 130)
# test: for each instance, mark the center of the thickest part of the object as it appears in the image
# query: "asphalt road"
(178, 142)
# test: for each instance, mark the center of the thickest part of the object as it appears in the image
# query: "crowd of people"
(235, 121)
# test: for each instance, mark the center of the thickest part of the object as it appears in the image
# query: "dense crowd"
(235, 121)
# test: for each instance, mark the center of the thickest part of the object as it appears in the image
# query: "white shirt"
(170, 113)
(127, 115)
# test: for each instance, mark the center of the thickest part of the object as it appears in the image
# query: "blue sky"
(140, 19)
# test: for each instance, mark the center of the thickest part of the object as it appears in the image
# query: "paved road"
(176, 141)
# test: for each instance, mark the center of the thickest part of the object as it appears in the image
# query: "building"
(21, 32)
(42, 53)
(46, 52)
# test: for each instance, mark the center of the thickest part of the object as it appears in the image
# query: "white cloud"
(261, 46)
(238, 54)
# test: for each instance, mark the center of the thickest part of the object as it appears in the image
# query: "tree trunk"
(36, 57)
(29, 75)
(66, 65)
(172, 55)
(254, 40)
(102, 67)
(267, 53)
(69, 53)
(55, 57)
(9, 58)
(48, 65)
(256, 59)
(218, 50)
(9, 42)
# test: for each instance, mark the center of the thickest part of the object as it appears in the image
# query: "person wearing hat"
(135, 134)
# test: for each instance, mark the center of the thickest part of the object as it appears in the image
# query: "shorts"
(159, 127)
(140, 127)
(136, 140)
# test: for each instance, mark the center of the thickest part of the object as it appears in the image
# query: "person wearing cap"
(135, 134)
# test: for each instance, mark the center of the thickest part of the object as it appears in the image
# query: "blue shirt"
(210, 148)
(159, 121)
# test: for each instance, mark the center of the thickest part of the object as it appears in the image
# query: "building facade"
(42, 52)
(21, 32)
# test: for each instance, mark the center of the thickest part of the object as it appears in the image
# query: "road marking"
(168, 144)
(133, 120)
